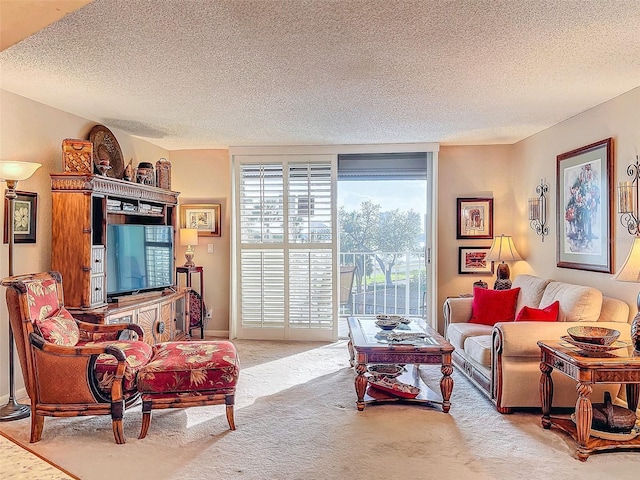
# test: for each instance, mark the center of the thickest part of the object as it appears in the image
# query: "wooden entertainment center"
(83, 206)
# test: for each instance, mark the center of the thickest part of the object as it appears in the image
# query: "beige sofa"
(504, 360)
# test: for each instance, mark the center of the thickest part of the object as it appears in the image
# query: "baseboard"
(212, 333)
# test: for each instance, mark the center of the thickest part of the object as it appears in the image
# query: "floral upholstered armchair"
(98, 362)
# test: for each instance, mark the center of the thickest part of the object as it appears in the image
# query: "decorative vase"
(145, 174)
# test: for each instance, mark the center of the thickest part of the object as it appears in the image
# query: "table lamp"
(630, 272)
(189, 238)
(503, 250)
(11, 172)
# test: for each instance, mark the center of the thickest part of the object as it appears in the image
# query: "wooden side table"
(188, 271)
(615, 366)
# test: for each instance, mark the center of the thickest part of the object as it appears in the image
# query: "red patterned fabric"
(492, 306)
(60, 328)
(190, 367)
(195, 309)
(548, 314)
(42, 298)
(138, 354)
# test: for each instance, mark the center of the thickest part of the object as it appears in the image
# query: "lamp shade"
(630, 271)
(503, 250)
(188, 236)
(10, 170)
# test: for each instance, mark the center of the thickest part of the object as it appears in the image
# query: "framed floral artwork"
(474, 260)
(584, 202)
(475, 218)
(205, 217)
(24, 218)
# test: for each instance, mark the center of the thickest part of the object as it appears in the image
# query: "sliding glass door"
(286, 261)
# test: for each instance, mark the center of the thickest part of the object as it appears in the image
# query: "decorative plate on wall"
(106, 149)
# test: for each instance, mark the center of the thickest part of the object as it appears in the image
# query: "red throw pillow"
(548, 314)
(492, 306)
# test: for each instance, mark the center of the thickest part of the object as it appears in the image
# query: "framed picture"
(475, 218)
(24, 218)
(473, 260)
(584, 203)
(203, 216)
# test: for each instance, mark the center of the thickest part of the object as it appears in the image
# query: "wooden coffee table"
(367, 347)
(614, 366)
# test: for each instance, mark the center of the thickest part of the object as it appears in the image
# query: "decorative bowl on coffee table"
(394, 318)
(594, 335)
(386, 370)
(386, 324)
(394, 387)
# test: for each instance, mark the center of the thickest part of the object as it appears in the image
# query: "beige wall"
(469, 171)
(535, 158)
(203, 176)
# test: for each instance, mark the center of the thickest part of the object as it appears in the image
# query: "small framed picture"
(24, 218)
(584, 203)
(475, 218)
(205, 217)
(474, 260)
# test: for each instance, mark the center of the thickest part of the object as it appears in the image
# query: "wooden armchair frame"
(77, 392)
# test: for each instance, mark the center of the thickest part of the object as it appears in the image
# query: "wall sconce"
(538, 211)
(628, 199)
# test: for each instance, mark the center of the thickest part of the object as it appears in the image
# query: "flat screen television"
(139, 257)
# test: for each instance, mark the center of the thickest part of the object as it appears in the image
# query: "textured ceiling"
(219, 73)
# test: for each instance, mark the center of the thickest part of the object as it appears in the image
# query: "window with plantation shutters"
(286, 249)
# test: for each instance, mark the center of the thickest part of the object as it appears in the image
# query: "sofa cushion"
(548, 314)
(492, 306)
(577, 303)
(457, 333)
(478, 349)
(531, 290)
(614, 310)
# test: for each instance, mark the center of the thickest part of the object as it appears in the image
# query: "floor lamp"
(12, 172)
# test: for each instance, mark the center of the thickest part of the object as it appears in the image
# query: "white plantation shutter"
(286, 258)
(310, 291)
(263, 293)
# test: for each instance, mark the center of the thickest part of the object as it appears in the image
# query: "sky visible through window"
(390, 194)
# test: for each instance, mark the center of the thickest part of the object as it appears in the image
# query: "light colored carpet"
(296, 419)
(19, 463)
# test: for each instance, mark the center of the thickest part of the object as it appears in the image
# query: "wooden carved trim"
(112, 187)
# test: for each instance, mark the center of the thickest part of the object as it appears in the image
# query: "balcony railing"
(392, 283)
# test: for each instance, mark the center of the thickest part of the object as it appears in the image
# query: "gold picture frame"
(205, 217)
(584, 207)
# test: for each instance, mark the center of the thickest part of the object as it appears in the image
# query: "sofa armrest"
(520, 339)
(457, 310)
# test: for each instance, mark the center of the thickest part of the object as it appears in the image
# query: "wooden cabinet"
(83, 206)
(162, 316)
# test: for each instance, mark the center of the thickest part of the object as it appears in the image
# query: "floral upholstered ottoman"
(187, 374)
